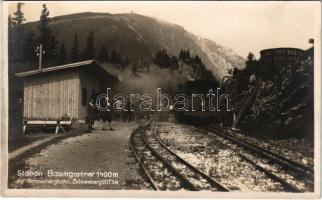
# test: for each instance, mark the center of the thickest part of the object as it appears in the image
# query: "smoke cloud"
(146, 81)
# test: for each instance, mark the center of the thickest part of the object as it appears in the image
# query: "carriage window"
(84, 96)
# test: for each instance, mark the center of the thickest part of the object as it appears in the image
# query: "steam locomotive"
(200, 112)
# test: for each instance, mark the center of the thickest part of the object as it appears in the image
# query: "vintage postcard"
(208, 99)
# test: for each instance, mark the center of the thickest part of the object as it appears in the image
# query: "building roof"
(281, 48)
(65, 67)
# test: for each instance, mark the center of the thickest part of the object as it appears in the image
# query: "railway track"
(304, 168)
(163, 168)
(302, 172)
(265, 143)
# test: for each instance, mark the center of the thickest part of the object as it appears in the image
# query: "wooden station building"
(56, 92)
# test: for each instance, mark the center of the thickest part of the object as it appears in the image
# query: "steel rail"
(184, 181)
(288, 187)
(309, 170)
(135, 153)
(213, 182)
(282, 161)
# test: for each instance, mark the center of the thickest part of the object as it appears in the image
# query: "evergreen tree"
(19, 16)
(162, 59)
(174, 63)
(125, 62)
(115, 57)
(53, 50)
(134, 68)
(75, 49)
(62, 54)
(103, 55)
(251, 65)
(184, 55)
(250, 58)
(10, 23)
(242, 76)
(29, 47)
(89, 50)
(10, 39)
(197, 59)
(196, 63)
(181, 54)
(45, 32)
(188, 54)
(230, 71)
(17, 34)
(235, 72)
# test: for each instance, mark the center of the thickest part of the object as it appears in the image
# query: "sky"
(242, 26)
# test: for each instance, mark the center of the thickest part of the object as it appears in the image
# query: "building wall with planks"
(51, 95)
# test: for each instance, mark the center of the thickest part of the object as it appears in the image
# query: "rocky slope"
(284, 107)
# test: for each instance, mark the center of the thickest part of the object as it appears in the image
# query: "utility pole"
(40, 52)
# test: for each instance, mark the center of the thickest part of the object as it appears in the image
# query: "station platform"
(105, 153)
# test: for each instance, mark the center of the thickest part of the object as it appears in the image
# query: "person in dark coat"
(107, 116)
(90, 116)
(127, 115)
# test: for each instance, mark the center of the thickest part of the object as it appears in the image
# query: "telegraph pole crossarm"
(40, 52)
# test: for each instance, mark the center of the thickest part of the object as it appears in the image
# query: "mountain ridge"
(139, 37)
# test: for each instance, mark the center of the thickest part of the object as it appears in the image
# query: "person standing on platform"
(107, 116)
(90, 116)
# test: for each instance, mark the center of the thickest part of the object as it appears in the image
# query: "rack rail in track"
(145, 141)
